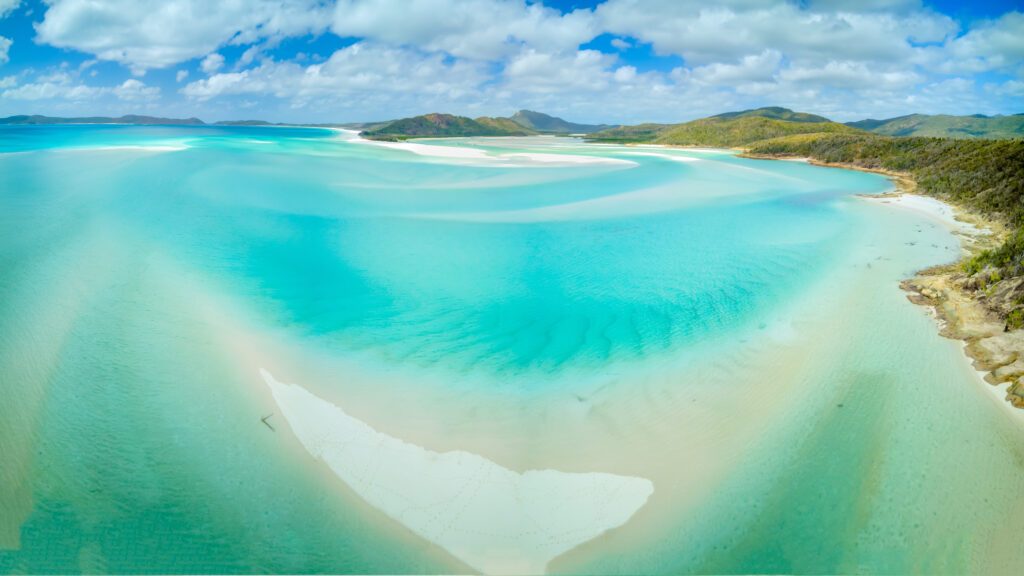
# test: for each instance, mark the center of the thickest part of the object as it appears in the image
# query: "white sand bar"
(481, 156)
(493, 519)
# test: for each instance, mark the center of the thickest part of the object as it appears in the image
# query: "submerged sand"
(996, 352)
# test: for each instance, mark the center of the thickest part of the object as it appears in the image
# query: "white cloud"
(533, 71)
(8, 82)
(376, 73)
(478, 29)
(991, 45)
(850, 75)
(255, 52)
(65, 86)
(8, 6)
(705, 33)
(52, 86)
(836, 57)
(133, 89)
(146, 34)
(625, 73)
(5, 46)
(1013, 88)
(753, 68)
(212, 63)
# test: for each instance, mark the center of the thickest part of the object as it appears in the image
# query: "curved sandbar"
(494, 519)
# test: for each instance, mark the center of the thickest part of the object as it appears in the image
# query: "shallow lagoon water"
(731, 329)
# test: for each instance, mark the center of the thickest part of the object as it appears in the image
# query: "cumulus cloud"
(479, 29)
(850, 75)
(64, 86)
(835, 57)
(362, 70)
(991, 45)
(705, 33)
(620, 44)
(5, 46)
(8, 6)
(133, 90)
(212, 63)
(1013, 88)
(752, 68)
(52, 86)
(146, 34)
(584, 70)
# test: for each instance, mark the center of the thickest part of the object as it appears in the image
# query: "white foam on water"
(495, 520)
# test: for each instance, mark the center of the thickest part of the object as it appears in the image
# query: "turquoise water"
(327, 246)
(131, 435)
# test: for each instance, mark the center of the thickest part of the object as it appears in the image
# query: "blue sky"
(586, 60)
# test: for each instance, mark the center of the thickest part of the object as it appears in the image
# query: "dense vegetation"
(522, 123)
(985, 175)
(630, 134)
(741, 131)
(775, 112)
(446, 125)
(976, 126)
(725, 130)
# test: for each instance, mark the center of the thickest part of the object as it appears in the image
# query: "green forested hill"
(740, 131)
(976, 126)
(522, 123)
(545, 123)
(775, 112)
(446, 125)
(731, 129)
(986, 175)
(630, 134)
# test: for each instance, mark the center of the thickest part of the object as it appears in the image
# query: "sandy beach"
(992, 351)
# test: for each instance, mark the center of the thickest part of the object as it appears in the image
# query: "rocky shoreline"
(971, 313)
(973, 308)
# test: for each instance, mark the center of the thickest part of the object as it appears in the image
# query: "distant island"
(945, 126)
(129, 119)
(729, 130)
(522, 123)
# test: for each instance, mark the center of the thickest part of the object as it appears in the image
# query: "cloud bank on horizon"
(596, 61)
